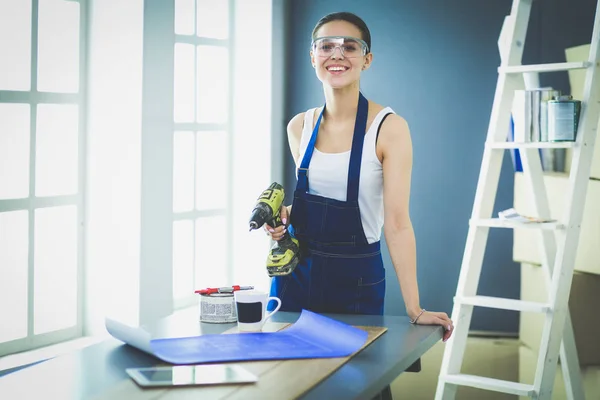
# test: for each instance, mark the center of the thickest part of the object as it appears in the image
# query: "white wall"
(114, 162)
(156, 206)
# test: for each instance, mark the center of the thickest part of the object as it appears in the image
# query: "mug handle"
(269, 315)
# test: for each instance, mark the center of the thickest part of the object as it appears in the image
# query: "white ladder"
(559, 241)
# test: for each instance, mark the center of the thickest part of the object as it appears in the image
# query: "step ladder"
(558, 241)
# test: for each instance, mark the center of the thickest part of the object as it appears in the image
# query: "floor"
(478, 356)
(505, 359)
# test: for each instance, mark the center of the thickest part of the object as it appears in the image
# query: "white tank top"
(328, 175)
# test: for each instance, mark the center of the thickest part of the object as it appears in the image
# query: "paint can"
(563, 119)
(542, 99)
(218, 308)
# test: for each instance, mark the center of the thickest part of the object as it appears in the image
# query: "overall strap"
(360, 126)
(302, 184)
(360, 129)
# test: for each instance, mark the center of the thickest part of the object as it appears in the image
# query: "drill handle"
(275, 222)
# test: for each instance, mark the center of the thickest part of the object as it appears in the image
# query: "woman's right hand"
(277, 233)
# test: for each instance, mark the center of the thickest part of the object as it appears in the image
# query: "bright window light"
(184, 78)
(57, 154)
(55, 271)
(14, 275)
(212, 170)
(15, 44)
(213, 84)
(58, 46)
(183, 171)
(212, 18)
(14, 150)
(184, 17)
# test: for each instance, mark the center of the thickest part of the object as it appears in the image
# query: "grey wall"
(435, 63)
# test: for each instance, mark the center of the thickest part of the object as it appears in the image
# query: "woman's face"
(342, 66)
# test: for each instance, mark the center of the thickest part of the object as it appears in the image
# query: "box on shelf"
(527, 368)
(525, 241)
(576, 80)
(583, 304)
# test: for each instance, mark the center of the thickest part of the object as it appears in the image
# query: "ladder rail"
(484, 196)
(562, 273)
(570, 362)
(534, 178)
(532, 171)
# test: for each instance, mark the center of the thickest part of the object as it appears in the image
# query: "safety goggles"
(350, 47)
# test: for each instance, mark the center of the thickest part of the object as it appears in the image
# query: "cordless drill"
(284, 255)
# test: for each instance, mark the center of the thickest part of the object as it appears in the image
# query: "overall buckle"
(303, 169)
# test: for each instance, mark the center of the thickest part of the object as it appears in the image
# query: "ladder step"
(566, 66)
(503, 223)
(497, 385)
(504, 304)
(530, 145)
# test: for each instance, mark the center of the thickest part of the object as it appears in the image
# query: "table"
(96, 369)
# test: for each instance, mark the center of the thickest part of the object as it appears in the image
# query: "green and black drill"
(284, 255)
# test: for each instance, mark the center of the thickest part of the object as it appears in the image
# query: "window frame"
(197, 128)
(32, 203)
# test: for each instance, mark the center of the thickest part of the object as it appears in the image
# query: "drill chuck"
(261, 214)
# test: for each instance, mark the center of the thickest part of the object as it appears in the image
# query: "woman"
(354, 162)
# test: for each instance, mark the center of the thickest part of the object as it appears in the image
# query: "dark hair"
(348, 17)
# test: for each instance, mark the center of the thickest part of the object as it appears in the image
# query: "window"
(41, 171)
(222, 144)
(201, 146)
(45, 113)
(173, 172)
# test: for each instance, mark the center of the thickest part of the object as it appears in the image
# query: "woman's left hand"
(437, 318)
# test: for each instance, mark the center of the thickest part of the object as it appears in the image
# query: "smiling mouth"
(337, 68)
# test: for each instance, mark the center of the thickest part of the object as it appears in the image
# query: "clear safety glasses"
(350, 47)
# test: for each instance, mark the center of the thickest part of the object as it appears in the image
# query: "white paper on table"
(135, 337)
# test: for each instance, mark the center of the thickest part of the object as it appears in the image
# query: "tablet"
(191, 375)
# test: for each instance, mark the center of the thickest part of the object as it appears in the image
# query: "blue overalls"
(339, 271)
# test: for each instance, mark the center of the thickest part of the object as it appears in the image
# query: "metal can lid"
(564, 97)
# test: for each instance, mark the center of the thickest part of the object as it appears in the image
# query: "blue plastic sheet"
(312, 336)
